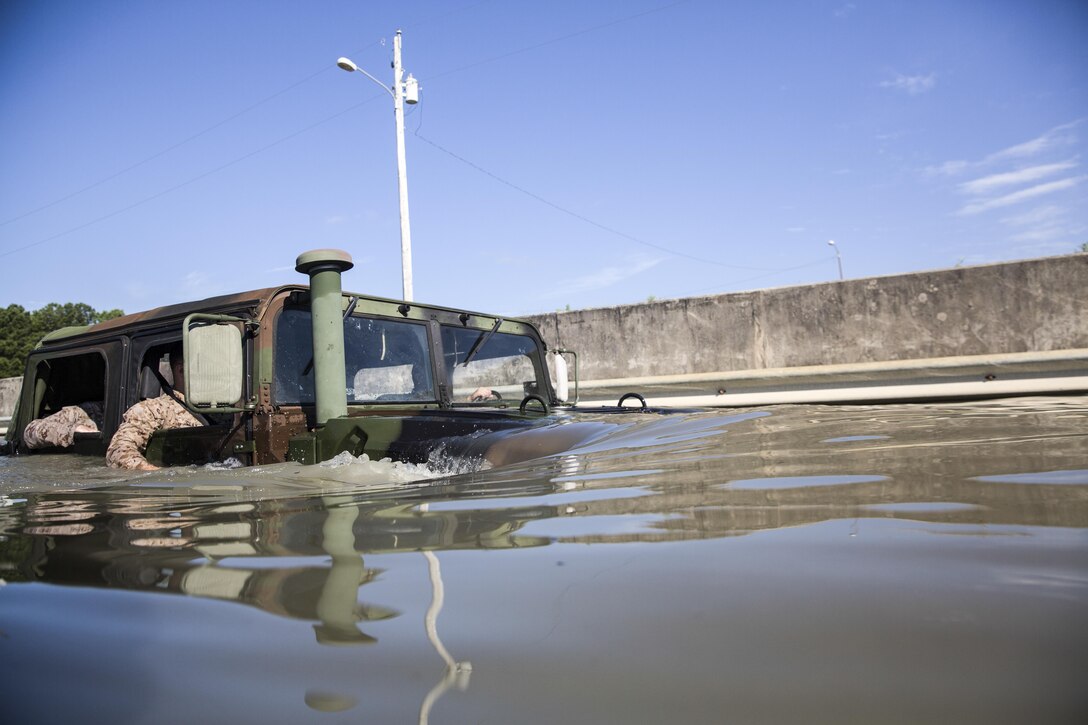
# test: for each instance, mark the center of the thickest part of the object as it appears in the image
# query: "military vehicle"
(305, 372)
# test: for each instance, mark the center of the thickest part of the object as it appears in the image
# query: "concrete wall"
(1029, 306)
(9, 393)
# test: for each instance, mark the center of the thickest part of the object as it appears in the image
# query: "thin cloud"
(603, 278)
(1040, 248)
(1038, 215)
(1020, 174)
(1050, 223)
(987, 184)
(1041, 234)
(846, 10)
(1054, 138)
(196, 280)
(1057, 137)
(913, 85)
(198, 284)
(1022, 195)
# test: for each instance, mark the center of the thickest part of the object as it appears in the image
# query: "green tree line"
(20, 330)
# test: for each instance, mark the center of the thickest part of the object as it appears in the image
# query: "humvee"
(305, 372)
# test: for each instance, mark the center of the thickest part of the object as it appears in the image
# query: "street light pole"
(838, 257)
(402, 172)
(403, 91)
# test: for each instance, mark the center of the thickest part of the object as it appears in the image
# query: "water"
(789, 564)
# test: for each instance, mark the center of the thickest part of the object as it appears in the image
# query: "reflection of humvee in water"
(304, 373)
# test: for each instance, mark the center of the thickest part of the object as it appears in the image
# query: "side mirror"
(562, 377)
(213, 362)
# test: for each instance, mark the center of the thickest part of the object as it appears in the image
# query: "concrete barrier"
(909, 336)
(1029, 306)
(9, 393)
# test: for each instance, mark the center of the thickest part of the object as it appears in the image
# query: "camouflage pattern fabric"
(59, 429)
(141, 421)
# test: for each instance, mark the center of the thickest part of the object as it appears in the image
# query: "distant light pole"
(838, 257)
(403, 91)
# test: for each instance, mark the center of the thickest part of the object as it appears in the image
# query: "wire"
(174, 146)
(191, 180)
(223, 122)
(813, 263)
(294, 85)
(586, 219)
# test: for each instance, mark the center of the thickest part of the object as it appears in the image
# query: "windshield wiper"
(480, 342)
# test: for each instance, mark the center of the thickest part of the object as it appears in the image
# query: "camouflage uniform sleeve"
(58, 429)
(141, 421)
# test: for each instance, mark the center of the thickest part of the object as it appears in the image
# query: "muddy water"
(788, 564)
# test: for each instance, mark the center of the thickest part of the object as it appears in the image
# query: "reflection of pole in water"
(337, 607)
(457, 673)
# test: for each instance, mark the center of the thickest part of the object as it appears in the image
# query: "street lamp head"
(347, 64)
(838, 255)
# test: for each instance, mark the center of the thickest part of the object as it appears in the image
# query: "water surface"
(795, 563)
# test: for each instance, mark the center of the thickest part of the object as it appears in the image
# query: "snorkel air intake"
(325, 267)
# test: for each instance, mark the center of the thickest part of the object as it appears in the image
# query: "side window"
(71, 380)
(68, 403)
(155, 370)
(501, 362)
(293, 377)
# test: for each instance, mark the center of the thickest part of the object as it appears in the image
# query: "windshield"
(476, 361)
(385, 360)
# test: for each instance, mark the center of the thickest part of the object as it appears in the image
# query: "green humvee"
(302, 373)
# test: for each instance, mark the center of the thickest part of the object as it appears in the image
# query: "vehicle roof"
(258, 298)
(158, 315)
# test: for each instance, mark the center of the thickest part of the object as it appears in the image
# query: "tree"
(15, 329)
(55, 316)
(20, 330)
(1084, 247)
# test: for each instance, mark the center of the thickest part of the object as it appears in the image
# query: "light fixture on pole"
(404, 90)
(838, 257)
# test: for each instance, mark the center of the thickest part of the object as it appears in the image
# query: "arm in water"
(140, 423)
(60, 428)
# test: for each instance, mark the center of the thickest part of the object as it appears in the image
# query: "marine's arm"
(58, 429)
(483, 394)
(141, 421)
(129, 442)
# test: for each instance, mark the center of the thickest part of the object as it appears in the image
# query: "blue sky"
(563, 153)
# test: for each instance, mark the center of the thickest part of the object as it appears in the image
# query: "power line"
(776, 272)
(224, 121)
(172, 147)
(586, 219)
(290, 87)
(191, 180)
